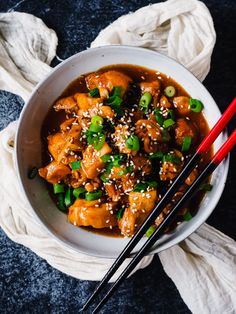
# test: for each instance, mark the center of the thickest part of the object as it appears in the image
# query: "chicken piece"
(54, 172)
(169, 170)
(106, 81)
(150, 133)
(92, 164)
(66, 125)
(164, 102)
(154, 88)
(76, 179)
(92, 185)
(182, 105)
(67, 103)
(113, 192)
(120, 136)
(192, 177)
(92, 213)
(140, 206)
(61, 144)
(184, 128)
(127, 180)
(142, 163)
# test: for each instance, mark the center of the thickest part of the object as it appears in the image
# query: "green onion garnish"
(158, 155)
(116, 91)
(99, 141)
(106, 158)
(79, 192)
(91, 196)
(32, 173)
(93, 92)
(195, 105)
(171, 114)
(126, 170)
(145, 101)
(133, 143)
(167, 123)
(118, 160)
(169, 91)
(206, 187)
(165, 136)
(104, 178)
(120, 213)
(115, 103)
(96, 124)
(143, 186)
(61, 203)
(186, 143)
(159, 117)
(75, 165)
(187, 216)
(171, 158)
(150, 231)
(58, 188)
(68, 197)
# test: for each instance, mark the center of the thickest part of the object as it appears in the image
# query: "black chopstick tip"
(82, 309)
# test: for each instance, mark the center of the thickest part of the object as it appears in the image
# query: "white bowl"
(28, 146)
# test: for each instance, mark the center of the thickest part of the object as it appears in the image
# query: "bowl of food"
(108, 131)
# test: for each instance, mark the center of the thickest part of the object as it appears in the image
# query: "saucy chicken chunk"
(119, 137)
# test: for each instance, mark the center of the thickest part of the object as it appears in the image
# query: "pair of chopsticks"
(211, 166)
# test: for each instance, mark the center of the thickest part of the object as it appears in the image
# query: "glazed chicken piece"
(154, 88)
(164, 102)
(92, 185)
(169, 170)
(92, 213)
(184, 128)
(76, 179)
(61, 144)
(106, 81)
(181, 103)
(142, 164)
(150, 134)
(140, 206)
(90, 106)
(92, 164)
(112, 191)
(67, 103)
(192, 177)
(54, 172)
(66, 125)
(120, 136)
(127, 181)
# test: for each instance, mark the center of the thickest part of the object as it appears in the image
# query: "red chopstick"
(203, 147)
(212, 165)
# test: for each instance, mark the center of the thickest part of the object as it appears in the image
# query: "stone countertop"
(27, 283)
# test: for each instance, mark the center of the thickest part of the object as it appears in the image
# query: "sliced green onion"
(158, 155)
(58, 188)
(116, 91)
(91, 196)
(133, 143)
(120, 213)
(93, 92)
(79, 192)
(75, 165)
(159, 117)
(106, 158)
(115, 102)
(99, 141)
(118, 160)
(96, 124)
(206, 187)
(61, 203)
(171, 114)
(68, 197)
(195, 105)
(32, 173)
(169, 91)
(104, 178)
(143, 186)
(187, 216)
(171, 158)
(169, 122)
(126, 170)
(145, 101)
(108, 168)
(186, 143)
(150, 231)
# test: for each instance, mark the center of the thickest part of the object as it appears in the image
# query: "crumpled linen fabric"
(203, 266)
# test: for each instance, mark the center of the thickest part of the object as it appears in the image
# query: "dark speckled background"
(27, 283)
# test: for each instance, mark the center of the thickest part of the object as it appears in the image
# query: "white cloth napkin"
(203, 267)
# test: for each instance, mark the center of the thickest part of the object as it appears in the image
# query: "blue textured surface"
(27, 283)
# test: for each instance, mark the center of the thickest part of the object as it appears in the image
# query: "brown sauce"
(138, 74)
